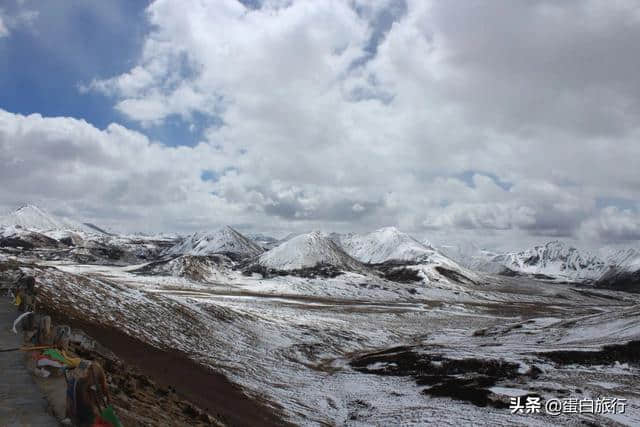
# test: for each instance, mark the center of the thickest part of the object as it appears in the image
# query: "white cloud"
(4, 31)
(321, 130)
(119, 178)
(17, 18)
(114, 176)
(613, 225)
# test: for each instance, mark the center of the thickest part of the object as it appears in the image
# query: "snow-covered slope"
(17, 237)
(384, 245)
(398, 251)
(198, 268)
(623, 271)
(427, 243)
(554, 259)
(557, 260)
(34, 218)
(625, 259)
(308, 251)
(225, 240)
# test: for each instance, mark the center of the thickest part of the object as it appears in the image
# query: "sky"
(502, 123)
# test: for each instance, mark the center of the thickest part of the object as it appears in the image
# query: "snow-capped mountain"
(225, 240)
(398, 251)
(623, 271)
(198, 268)
(625, 259)
(308, 251)
(555, 259)
(34, 218)
(384, 245)
(427, 243)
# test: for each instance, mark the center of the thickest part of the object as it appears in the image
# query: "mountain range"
(554, 260)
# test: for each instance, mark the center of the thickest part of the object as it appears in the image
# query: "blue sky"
(68, 44)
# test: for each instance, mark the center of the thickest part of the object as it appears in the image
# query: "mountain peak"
(383, 245)
(307, 251)
(30, 216)
(556, 259)
(31, 210)
(28, 207)
(389, 229)
(559, 244)
(223, 240)
(555, 243)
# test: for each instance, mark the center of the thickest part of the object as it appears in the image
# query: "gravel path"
(21, 401)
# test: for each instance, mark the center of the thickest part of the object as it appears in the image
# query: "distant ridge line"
(95, 227)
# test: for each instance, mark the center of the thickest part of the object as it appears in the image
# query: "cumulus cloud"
(613, 225)
(354, 114)
(109, 176)
(484, 216)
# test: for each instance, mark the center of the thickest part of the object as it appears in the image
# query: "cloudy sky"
(500, 122)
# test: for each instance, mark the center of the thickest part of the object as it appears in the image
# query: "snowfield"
(297, 341)
(625, 259)
(396, 334)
